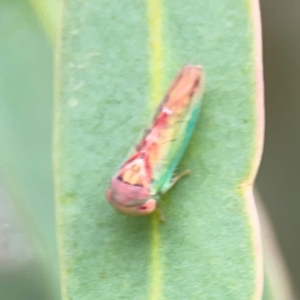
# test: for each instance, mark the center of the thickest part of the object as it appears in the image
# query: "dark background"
(278, 180)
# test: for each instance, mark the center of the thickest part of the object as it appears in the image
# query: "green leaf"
(277, 283)
(48, 12)
(25, 113)
(115, 61)
(26, 79)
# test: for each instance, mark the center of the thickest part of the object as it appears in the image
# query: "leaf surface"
(115, 61)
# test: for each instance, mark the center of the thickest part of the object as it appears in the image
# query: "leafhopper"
(149, 171)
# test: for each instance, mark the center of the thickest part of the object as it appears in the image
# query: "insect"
(149, 171)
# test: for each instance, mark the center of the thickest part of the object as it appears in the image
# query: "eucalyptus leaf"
(115, 61)
(27, 216)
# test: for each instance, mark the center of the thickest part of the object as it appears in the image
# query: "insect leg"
(170, 184)
(161, 216)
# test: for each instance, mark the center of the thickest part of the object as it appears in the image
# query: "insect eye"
(147, 207)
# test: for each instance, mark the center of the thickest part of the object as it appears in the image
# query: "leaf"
(48, 12)
(25, 154)
(277, 283)
(25, 114)
(115, 61)
(21, 265)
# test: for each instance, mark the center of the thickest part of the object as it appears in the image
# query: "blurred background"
(28, 249)
(280, 168)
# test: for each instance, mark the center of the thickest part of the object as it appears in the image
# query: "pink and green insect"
(149, 171)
